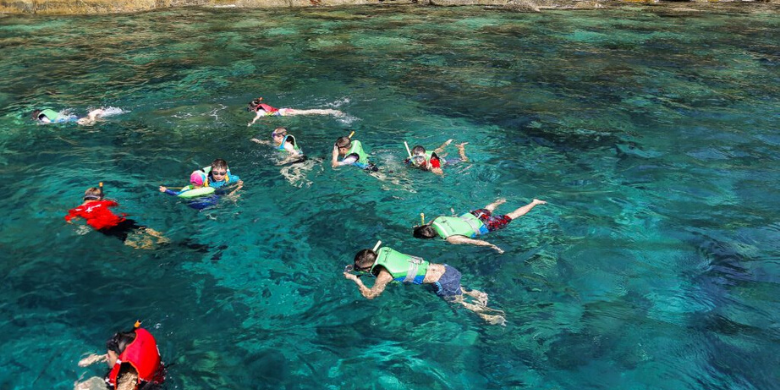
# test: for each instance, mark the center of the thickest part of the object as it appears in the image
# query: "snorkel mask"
(350, 268)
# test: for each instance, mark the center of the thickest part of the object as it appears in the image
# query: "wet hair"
(424, 231)
(120, 341)
(343, 142)
(254, 104)
(418, 149)
(36, 115)
(93, 193)
(219, 163)
(365, 259)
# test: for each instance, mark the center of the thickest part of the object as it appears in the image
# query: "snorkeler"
(431, 161)
(285, 143)
(262, 109)
(389, 265)
(50, 116)
(352, 153)
(198, 195)
(133, 359)
(463, 229)
(218, 176)
(95, 210)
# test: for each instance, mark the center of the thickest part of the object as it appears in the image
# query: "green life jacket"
(51, 114)
(294, 144)
(465, 225)
(403, 268)
(357, 148)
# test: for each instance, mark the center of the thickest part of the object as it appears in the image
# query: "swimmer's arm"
(238, 187)
(470, 241)
(441, 148)
(92, 359)
(382, 280)
(334, 161)
(437, 171)
(261, 142)
(260, 114)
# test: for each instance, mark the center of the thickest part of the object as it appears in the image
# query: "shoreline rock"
(98, 7)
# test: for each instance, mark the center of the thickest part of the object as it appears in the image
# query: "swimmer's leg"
(483, 312)
(462, 151)
(525, 209)
(291, 112)
(492, 207)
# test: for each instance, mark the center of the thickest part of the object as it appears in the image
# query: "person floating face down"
(50, 116)
(432, 161)
(285, 144)
(262, 110)
(352, 153)
(389, 265)
(464, 229)
(133, 359)
(95, 211)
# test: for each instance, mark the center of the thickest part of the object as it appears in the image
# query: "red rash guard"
(97, 214)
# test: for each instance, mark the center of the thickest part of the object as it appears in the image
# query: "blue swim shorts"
(449, 283)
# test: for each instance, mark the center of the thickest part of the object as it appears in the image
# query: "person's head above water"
(93, 193)
(424, 231)
(364, 260)
(197, 178)
(418, 154)
(37, 115)
(343, 143)
(279, 132)
(219, 168)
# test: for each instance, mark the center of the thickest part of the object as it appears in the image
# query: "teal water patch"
(653, 139)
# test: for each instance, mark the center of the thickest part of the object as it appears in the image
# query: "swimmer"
(432, 161)
(218, 176)
(389, 265)
(463, 229)
(284, 143)
(197, 182)
(95, 210)
(133, 360)
(262, 109)
(50, 116)
(352, 153)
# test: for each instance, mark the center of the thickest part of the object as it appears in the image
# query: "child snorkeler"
(95, 210)
(262, 109)
(195, 201)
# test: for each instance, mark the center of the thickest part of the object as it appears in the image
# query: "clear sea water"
(653, 136)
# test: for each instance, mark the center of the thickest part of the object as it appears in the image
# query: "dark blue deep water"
(653, 136)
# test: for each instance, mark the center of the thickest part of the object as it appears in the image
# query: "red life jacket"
(268, 109)
(97, 214)
(143, 355)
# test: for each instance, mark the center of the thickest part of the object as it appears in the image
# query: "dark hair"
(365, 259)
(424, 231)
(120, 341)
(93, 193)
(343, 142)
(36, 115)
(418, 148)
(219, 163)
(252, 106)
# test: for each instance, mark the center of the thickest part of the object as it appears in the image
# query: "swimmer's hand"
(537, 201)
(350, 276)
(497, 249)
(163, 189)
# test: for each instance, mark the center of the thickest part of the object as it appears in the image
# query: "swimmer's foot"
(493, 319)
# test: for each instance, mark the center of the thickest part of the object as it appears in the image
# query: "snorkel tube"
(100, 186)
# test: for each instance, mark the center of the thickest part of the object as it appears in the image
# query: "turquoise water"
(654, 139)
